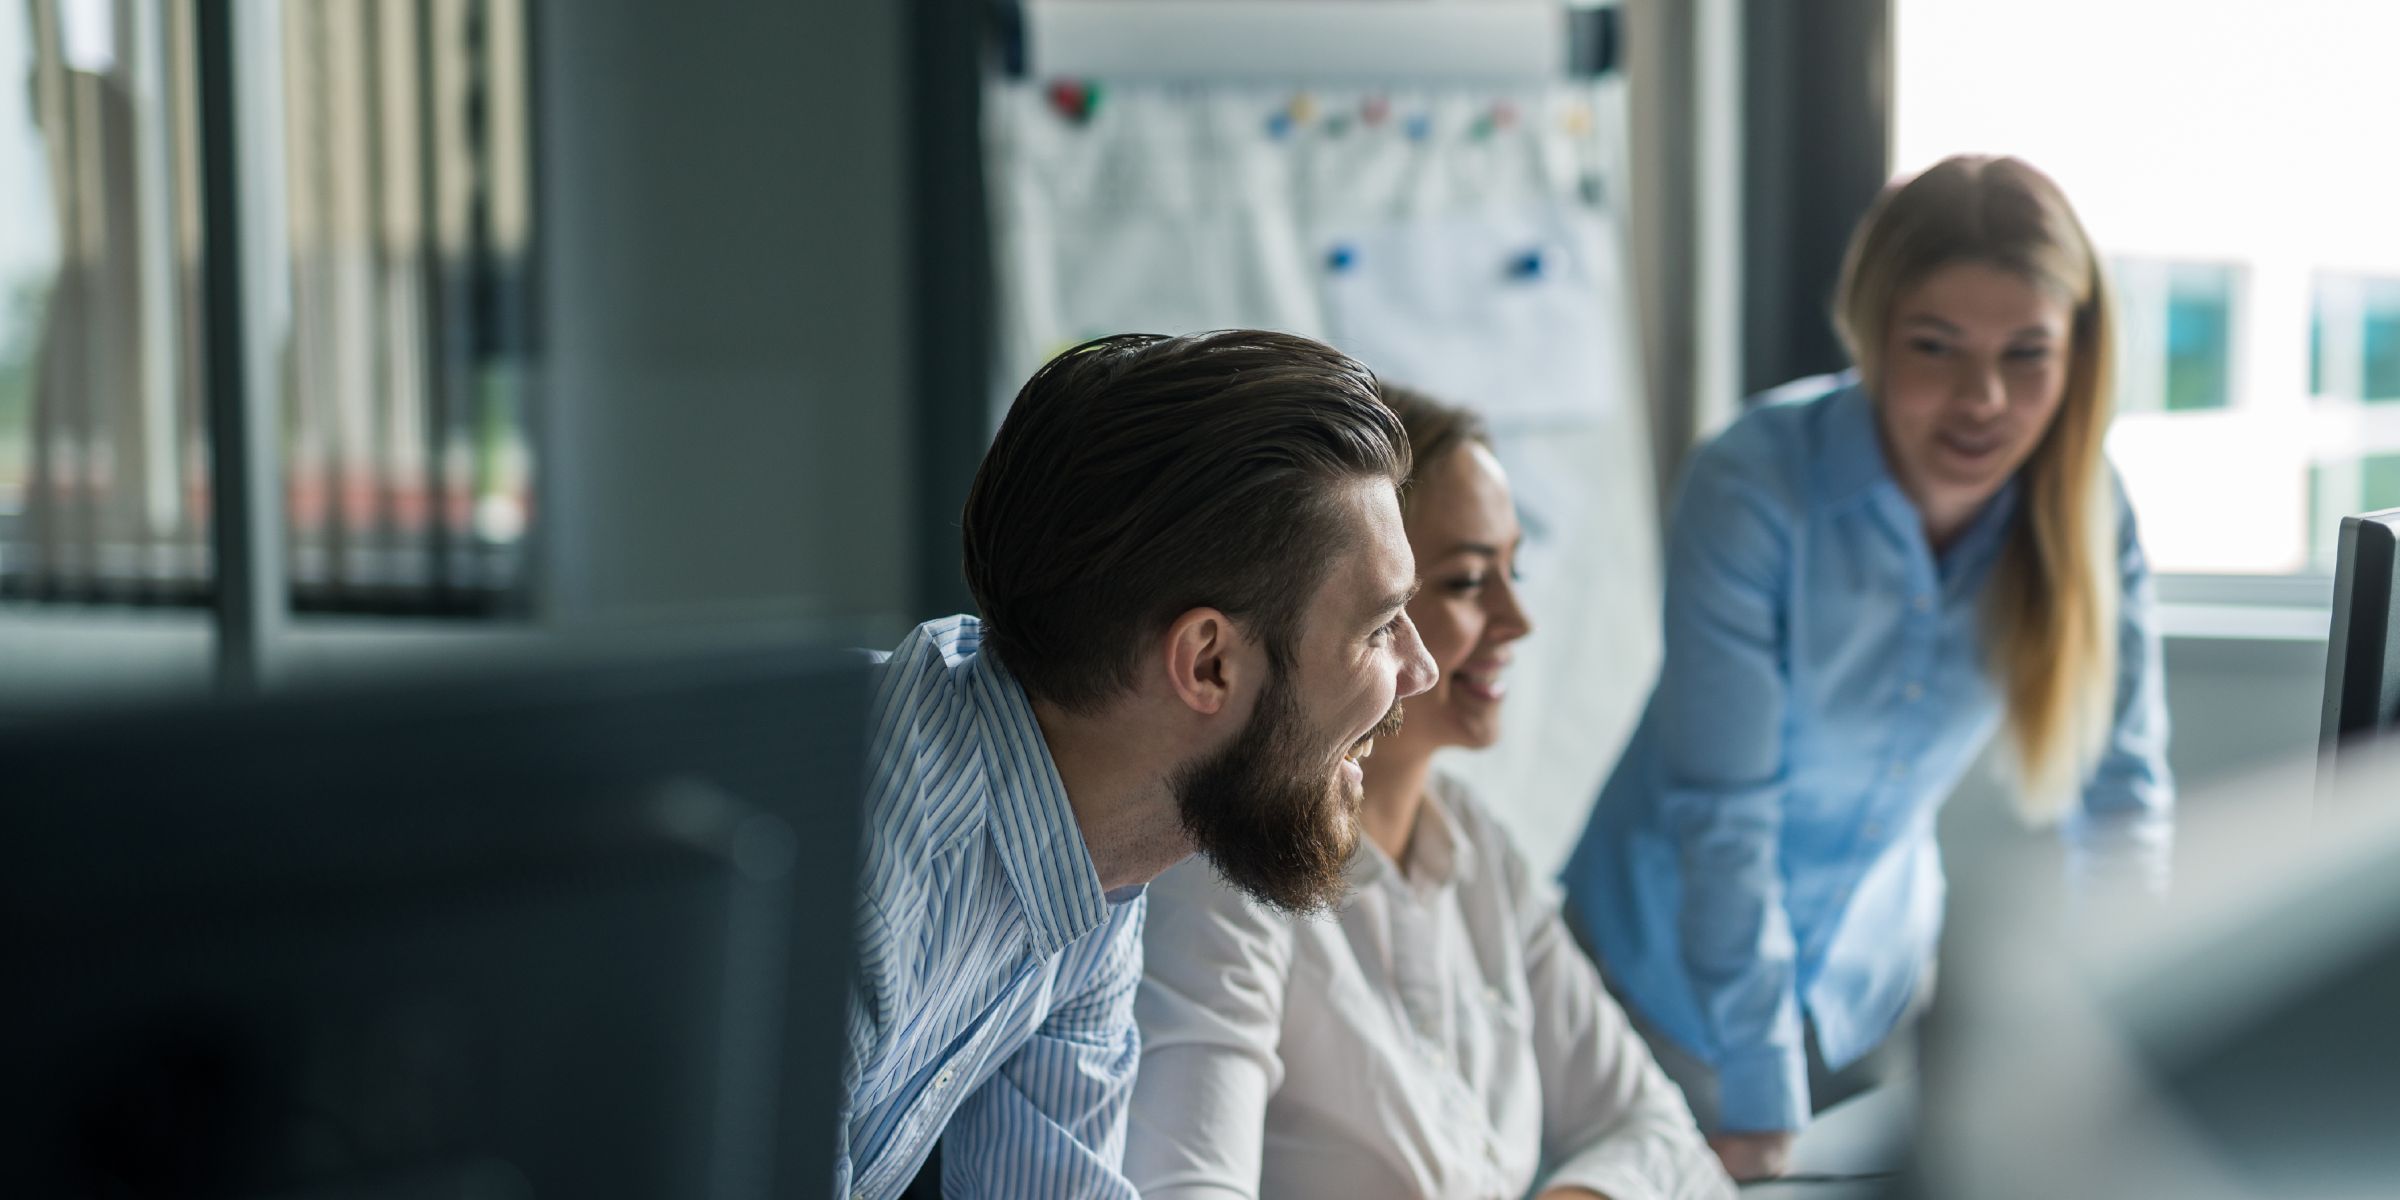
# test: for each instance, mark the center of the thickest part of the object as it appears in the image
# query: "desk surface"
(1867, 1134)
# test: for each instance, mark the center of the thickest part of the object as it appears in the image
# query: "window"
(405, 146)
(2354, 386)
(2361, 485)
(2175, 334)
(2247, 230)
(2354, 339)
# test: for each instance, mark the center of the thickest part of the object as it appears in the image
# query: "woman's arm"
(1613, 1124)
(2124, 827)
(1723, 697)
(1210, 1008)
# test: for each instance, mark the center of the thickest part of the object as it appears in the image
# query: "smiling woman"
(1867, 580)
(1976, 310)
(1440, 1035)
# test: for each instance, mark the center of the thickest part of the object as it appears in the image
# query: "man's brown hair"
(1138, 477)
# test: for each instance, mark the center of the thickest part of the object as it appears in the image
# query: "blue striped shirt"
(1763, 854)
(993, 1008)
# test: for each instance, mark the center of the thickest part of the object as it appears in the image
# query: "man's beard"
(1269, 812)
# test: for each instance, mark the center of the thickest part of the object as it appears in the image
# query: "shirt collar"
(1982, 536)
(1040, 845)
(1852, 469)
(1850, 461)
(1439, 852)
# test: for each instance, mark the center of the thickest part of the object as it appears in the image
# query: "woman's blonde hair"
(2050, 609)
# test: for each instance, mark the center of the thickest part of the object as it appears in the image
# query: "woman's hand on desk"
(1749, 1156)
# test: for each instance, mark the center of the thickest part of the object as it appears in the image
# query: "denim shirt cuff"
(1763, 1090)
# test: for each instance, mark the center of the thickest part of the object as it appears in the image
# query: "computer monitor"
(2362, 655)
(2234, 1042)
(579, 931)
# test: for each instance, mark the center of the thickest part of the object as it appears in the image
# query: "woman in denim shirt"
(1869, 576)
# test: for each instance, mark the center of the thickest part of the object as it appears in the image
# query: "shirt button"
(942, 1080)
(1873, 831)
(1924, 603)
(1492, 996)
(1899, 770)
(1913, 692)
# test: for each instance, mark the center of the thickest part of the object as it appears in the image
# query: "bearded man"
(1192, 577)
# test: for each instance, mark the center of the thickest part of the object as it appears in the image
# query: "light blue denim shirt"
(1764, 853)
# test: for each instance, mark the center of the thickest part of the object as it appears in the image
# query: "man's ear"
(1208, 660)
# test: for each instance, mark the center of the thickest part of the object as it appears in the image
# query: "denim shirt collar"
(1850, 461)
(1852, 469)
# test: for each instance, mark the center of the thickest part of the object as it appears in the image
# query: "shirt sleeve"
(2123, 831)
(1211, 1009)
(1611, 1119)
(1722, 698)
(867, 1016)
(1051, 1121)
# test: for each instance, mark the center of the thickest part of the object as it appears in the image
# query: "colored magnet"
(1375, 110)
(1279, 124)
(1304, 109)
(1075, 100)
(1341, 258)
(1527, 266)
(1420, 127)
(1578, 120)
(1504, 115)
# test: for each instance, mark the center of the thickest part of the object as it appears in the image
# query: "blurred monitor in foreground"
(580, 931)
(2234, 1039)
(2362, 655)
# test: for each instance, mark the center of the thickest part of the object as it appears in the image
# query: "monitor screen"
(2362, 653)
(576, 931)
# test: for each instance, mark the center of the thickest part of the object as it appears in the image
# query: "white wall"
(2244, 714)
(2239, 705)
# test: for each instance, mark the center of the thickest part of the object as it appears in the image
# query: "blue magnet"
(1420, 127)
(1341, 258)
(1279, 126)
(1528, 265)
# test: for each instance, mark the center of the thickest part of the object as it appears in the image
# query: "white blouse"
(1442, 1036)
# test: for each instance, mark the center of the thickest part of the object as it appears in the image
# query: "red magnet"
(1074, 99)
